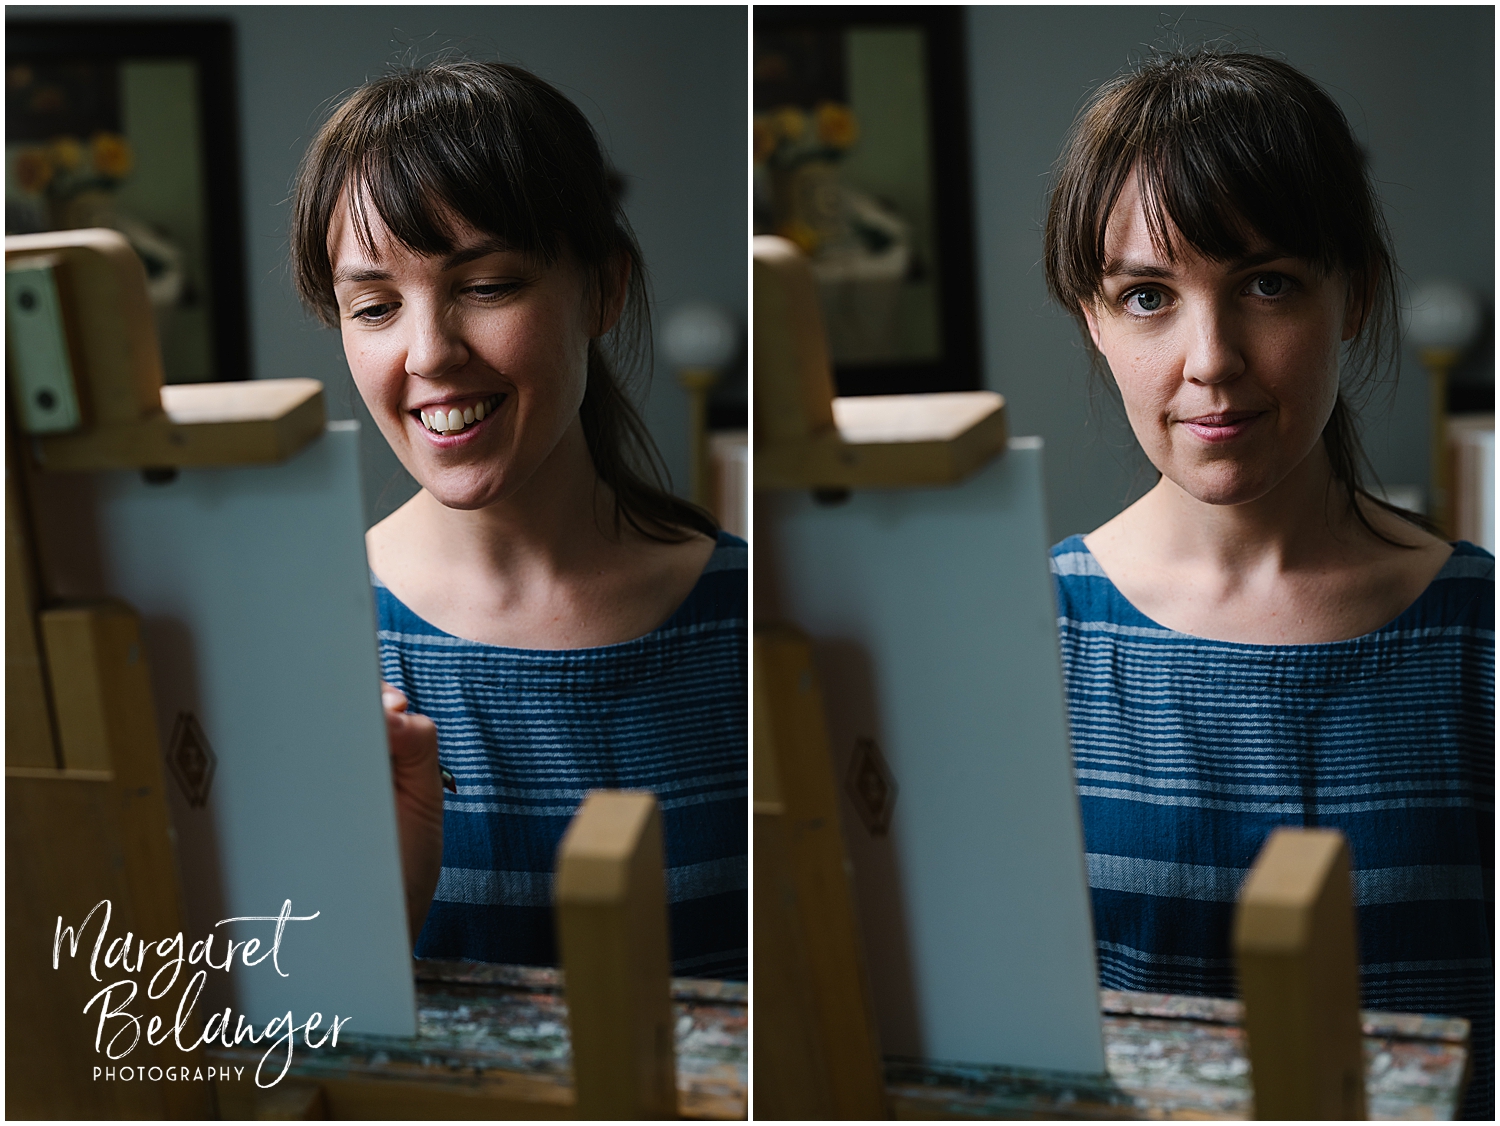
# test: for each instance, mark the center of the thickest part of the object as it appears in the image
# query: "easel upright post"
(818, 1052)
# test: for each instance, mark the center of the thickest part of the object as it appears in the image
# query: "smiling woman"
(564, 621)
(1258, 641)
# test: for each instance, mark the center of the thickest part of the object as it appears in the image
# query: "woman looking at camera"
(565, 622)
(1259, 641)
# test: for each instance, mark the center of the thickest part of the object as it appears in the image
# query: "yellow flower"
(791, 122)
(33, 170)
(800, 233)
(764, 137)
(111, 155)
(66, 153)
(837, 127)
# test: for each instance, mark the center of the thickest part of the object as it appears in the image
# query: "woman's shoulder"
(730, 554)
(1072, 557)
(1460, 596)
(396, 623)
(1469, 561)
(721, 596)
(1086, 597)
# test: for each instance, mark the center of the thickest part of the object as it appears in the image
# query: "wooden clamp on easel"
(808, 438)
(86, 812)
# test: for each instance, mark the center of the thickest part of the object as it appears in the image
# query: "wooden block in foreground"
(817, 1049)
(611, 903)
(1294, 942)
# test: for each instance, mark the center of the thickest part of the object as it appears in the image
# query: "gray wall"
(664, 87)
(1418, 87)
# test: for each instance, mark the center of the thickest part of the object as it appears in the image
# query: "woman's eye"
(490, 291)
(371, 312)
(1269, 285)
(1145, 300)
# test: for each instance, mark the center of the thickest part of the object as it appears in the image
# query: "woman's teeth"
(446, 422)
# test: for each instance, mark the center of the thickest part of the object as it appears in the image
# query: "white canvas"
(935, 633)
(254, 594)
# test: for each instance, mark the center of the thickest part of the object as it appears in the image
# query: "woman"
(1258, 641)
(566, 623)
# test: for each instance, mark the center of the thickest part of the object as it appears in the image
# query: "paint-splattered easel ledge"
(1184, 1058)
(487, 1032)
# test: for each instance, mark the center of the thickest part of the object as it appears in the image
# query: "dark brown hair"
(498, 148)
(1228, 147)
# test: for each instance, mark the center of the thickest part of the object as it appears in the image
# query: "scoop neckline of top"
(720, 543)
(1153, 623)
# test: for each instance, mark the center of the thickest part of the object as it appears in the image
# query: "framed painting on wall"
(132, 125)
(861, 153)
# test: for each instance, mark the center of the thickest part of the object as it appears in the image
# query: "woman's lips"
(1224, 427)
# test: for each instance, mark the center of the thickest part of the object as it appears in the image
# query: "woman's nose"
(435, 347)
(1212, 350)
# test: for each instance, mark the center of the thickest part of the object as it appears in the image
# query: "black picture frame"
(209, 44)
(960, 366)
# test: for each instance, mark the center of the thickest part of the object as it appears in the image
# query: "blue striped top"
(1189, 752)
(527, 733)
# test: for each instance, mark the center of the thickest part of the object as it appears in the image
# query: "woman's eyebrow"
(361, 274)
(477, 251)
(1116, 268)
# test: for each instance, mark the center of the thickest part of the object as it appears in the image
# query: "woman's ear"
(614, 288)
(1091, 318)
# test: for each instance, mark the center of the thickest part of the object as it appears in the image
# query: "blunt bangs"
(1236, 152)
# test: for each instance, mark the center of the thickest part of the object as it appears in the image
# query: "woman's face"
(473, 365)
(1228, 370)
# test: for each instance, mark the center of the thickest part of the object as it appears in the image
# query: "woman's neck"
(1306, 520)
(1296, 566)
(547, 567)
(562, 519)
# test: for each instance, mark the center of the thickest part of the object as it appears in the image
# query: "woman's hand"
(419, 803)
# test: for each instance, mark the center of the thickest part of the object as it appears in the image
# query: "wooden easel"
(818, 1054)
(86, 812)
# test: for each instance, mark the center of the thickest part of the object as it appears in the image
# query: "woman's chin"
(463, 492)
(1224, 488)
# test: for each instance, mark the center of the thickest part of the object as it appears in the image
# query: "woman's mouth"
(451, 420)
(1221, 427)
